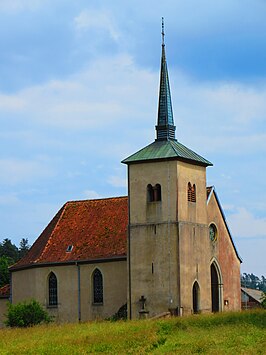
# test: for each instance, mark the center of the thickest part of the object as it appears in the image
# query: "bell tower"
(167, 219)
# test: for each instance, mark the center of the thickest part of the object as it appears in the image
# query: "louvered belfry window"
(97, 286)
(193, 195)
(191, 192)
(53, 300)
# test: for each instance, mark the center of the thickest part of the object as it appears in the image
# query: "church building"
(166, 247)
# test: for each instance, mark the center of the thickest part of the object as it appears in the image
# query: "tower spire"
(165, 125)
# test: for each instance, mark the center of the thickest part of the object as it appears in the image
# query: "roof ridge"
(171, 143)
(47, 243)
(96, 199)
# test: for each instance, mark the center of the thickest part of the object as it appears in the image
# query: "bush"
(263, 299)
(121, 314)
(26, 314)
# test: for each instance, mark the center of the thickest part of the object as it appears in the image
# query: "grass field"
(224, 333)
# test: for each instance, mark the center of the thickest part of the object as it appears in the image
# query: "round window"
(213, 232)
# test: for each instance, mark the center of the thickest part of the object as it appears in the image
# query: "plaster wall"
(3, 310)
(140, 175)
(153, 238)
(189, 211)
(154, 268)
(33, 283)
(194, 266)
(168, 238)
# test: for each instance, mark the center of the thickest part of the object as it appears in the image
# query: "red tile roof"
(5, 291)
(95, 228)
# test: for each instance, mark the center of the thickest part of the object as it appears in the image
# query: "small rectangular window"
(69, 248)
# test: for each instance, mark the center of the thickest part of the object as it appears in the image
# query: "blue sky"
(79, 92)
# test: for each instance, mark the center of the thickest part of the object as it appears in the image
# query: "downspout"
(79, 306)
(180, 311)
(10, 295)
(128, 249)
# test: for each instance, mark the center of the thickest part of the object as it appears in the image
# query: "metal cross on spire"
(165, 125)
(162, 31)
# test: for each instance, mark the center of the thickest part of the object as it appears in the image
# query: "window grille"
(53, 301)
(97, 286)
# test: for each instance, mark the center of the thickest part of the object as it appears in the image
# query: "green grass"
(225, 333)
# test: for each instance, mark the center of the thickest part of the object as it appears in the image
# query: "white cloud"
(11, 103)
(90, 194)
(245, 225)
(105, 93)
(13, 171)
(237, 109)
(18, 5)
(98, 20)
(9, 199)
(117, 181)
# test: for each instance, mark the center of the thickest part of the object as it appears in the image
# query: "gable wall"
(223, 251)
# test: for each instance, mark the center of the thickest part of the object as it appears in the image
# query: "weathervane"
(162, 31)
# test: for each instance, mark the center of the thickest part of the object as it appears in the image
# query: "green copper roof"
(170, 149)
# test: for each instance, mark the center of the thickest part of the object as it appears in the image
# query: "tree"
(23, 247)
(253, 281)
(263, 298)
(9, 255)
(5, 262)
(9, 250)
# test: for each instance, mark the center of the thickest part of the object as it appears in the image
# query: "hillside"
(226, 333)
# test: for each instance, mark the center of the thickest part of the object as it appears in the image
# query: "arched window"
(52, 287)
(150, 196)
(191, 192)
(97, 279)
(157, 192)
(216, 286)
(154, 193)
(196, 297)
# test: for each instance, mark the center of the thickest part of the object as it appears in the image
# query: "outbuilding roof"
(255, 294)
(5, 291)
(82, 230)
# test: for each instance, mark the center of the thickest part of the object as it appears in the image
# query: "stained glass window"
(52, 283)
(97, 286)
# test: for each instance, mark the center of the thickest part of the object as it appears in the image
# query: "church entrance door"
(195, 296)
(215, 289)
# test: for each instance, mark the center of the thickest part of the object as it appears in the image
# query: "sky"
(79, 93)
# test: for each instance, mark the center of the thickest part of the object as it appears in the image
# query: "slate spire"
(165, 125)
